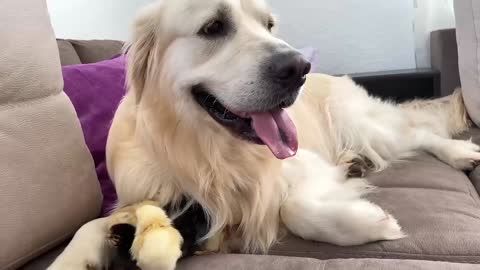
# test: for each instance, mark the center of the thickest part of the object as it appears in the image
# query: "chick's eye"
(214, 28)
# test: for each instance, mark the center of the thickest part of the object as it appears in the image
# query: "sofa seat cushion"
(252, 262)
(437, 206)
(258, 262)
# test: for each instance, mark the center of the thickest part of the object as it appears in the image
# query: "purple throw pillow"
(96, 91)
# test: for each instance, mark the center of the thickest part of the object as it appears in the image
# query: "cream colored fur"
(162, 145)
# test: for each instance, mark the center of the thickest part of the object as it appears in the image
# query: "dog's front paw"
(366, 222)
(358, 167)
(86, 251)
(372, 223)
(462, 155)
(389, 229)
(157, 245)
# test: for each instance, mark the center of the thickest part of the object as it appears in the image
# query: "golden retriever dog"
(222, 112)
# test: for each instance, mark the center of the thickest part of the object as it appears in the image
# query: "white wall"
(93, 19)
(351, 35)
(430, 15)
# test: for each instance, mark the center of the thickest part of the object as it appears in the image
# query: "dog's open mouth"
(273, 128)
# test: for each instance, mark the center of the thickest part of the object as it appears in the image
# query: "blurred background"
(350, 36)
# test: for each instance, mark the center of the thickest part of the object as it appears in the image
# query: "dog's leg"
(88, 249)
(344, 223)
(460, 154)
(432, 123)
(156, 244)
(323, 205)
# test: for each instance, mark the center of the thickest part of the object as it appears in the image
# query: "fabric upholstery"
(249, 262)
(92, 51)
(252, 262)
(467, 13)
(444, 58)
(475, 174)
(43, 261)
(475, 177)
(375, 264)
(75, 52)
(436, 205)
(48, 186)
(68, 55)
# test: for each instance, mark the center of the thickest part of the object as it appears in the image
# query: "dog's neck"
(236, 181)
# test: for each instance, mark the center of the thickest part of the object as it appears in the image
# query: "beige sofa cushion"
(249, 262)
(467, 13)
(259, 262)
(48, 186)
(74, 52)
(68, 55)
(92, 51)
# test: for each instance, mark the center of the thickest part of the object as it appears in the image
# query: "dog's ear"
(139, 51)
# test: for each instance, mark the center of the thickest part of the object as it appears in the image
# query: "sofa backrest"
(467, 16)
(73, 52)
(444, 58)
(48, 186)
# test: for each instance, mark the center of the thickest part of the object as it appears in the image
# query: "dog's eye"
(270, 24)
(215, 28)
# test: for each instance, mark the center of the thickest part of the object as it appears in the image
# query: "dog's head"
(221, 58)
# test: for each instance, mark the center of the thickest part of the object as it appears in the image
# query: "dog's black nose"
(289, 67)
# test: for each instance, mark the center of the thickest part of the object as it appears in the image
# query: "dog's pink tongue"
(277, 131)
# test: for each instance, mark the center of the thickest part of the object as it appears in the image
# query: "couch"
(48, 186)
